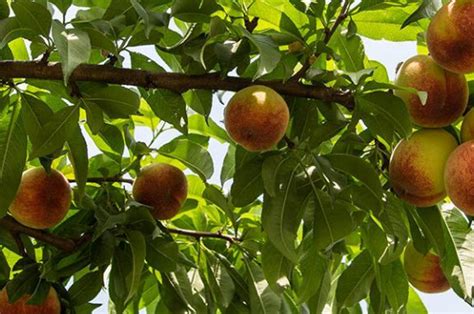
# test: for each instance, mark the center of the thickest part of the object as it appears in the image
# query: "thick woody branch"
(172, 81)
(15, 227)
(69, 245)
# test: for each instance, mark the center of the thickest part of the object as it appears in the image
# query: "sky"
(389, 54)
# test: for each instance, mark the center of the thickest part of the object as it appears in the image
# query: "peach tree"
(316, 222)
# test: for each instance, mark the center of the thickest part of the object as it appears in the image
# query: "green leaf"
(354, 283)
(394, 284)
(192, 11)
(269, 55)
(262, 298)
(170, 107)
(282, 214)
(33, 16)
(426, 10)
(215, 196)
(383, 21)
(192, 155)
(332, 220)
(137, 243)
(73, 46)
(200, 101)
(77, 152)
(415, 304)
(56, 131)
(10, 29)
(4, 9)
(457, 264)
(313, 267)
(207, 127)
(276, 268)
(12, 155)
(360, 170)
(221, 282)
(162, 254)
(86, 288)
(248, 184)
(62, 5)
(115, 101)
(387, 110)
(35, 114)
(351, 51)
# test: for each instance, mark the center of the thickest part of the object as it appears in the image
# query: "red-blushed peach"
(450, 36)
(51, 304)
(256, 117)
(42, 199)
(447, 92)
(467, 128)
(163, 187)
(459, 177)
(424, 271)
(417, 164)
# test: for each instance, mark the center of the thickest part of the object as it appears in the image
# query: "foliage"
(312, 225)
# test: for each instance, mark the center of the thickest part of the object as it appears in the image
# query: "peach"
(163, 187)
(417, 164)
(459, 177)
(51, 304)
(42, 199)
(450, 36)
(424, 271)
(467, 128)
(448, 92)
(256, 117)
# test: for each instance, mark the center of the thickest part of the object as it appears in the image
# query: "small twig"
(75, 91)
(289, 142)
(204, 234)
(328, 32)
(19, 243)
(250, 25)
(45, 57)
(112, 59)
(102, 180)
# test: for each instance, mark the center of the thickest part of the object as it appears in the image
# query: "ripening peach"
(163, 187)
(467, 128)
(256, 118)
(417, 164)
(424, 271)
(42, 199)
(447, 92)
(51, 304)
(459, 177)
(450, 36)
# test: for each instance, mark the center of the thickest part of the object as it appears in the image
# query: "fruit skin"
(163, 187)
(424, 271)
(256, 118)
(450, 37)
(467, 128)
(51, 304)
(417, 164)
(42, 199)
(448, 92)
(459, 177)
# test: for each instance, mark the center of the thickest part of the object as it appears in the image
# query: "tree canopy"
(312, 225)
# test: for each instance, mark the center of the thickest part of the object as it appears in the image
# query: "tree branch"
(101, 180)
(327, 37)
(172, 81)
(69, 245)
(14, 226)
(204, 234)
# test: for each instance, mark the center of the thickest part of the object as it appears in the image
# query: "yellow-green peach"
(459, 177)
(467, 128)
(256, 117)
(42, 199)
(447, 92)
(424, 271)
(50, 305)
(417, 164)
(163, 187)
(450, 36)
